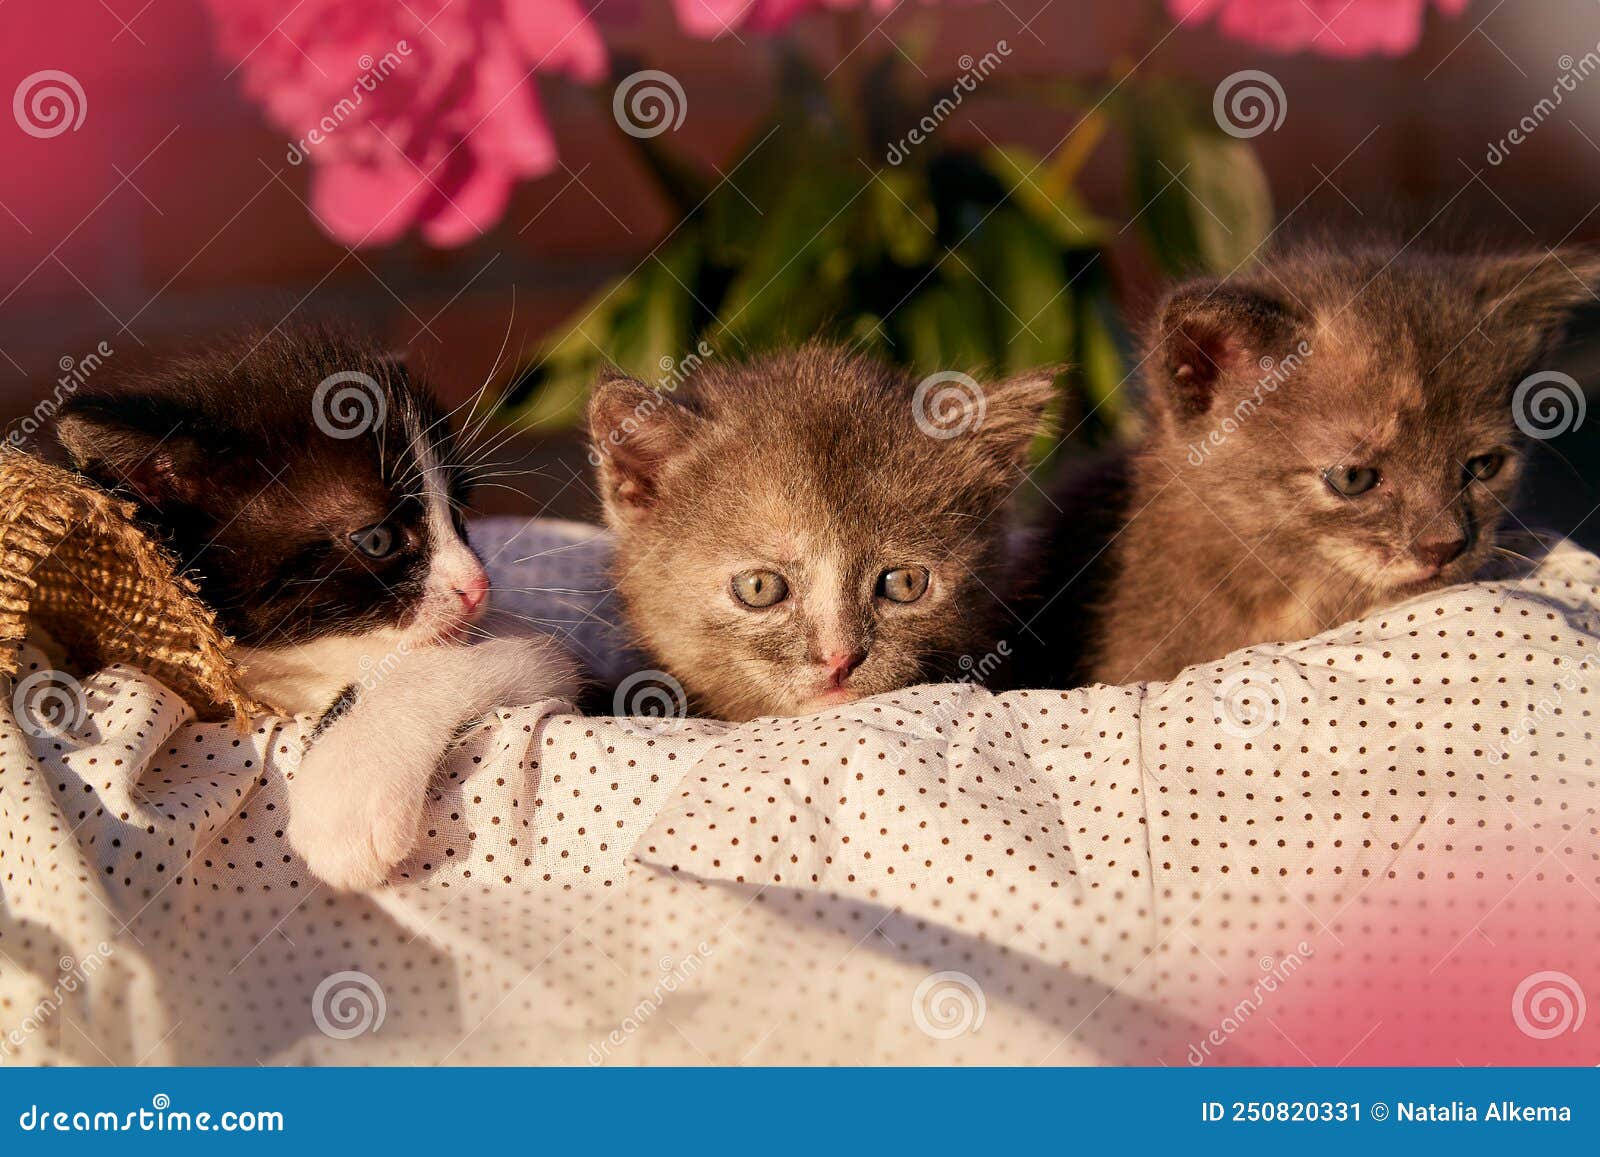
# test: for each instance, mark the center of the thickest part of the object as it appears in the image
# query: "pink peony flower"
(1331, 27)
(424, 113)
(714, 17)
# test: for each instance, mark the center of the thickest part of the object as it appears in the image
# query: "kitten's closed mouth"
(1447, 576)
(834, 697)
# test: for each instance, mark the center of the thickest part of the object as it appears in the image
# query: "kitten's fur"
(810, 463)
(244, 473)
(1195, 545)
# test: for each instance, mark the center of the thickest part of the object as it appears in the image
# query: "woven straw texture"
(73, 563)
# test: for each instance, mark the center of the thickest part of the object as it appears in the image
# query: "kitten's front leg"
(356, 800)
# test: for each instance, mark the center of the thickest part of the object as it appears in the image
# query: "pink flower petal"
(712, 18)
(1342, 28)
(389, 87)
(558, 36)
(367, 203)
(467, 204)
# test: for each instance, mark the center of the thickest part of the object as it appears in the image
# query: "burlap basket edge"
(73, 563)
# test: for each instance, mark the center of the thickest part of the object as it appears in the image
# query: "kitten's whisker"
(469, 429)
(549, 552)
(535, 620)
(550, 590)
(470, 403)
(1509, 553)
(471, 433)
(507, 487)
(502, 439)
(528, 471)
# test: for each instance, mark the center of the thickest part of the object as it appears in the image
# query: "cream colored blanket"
(1377, 845)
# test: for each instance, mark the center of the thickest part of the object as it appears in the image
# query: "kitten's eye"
(760, 588)
(379, 540)
(904, 584)
(1350, 481)
(1484, 467)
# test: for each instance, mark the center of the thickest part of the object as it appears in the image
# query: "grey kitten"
(812, 526)
(1328, 435)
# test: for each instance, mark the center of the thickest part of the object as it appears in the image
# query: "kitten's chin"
(1416, 580)
(742, 710)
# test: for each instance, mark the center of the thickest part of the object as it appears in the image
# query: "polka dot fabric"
(1376, 846)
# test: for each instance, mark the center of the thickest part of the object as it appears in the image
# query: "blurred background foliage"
(987, 261)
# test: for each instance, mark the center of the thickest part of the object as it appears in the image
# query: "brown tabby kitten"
(788, 534)
(1328, 435)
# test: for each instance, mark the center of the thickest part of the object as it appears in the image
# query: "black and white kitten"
(313, 491)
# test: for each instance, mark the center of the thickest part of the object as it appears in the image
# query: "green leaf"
(945, 328)
(1065, 215)
(1099, 362)
(902, 215)
(800, 260)
(1230, 189)
(1024, 290)
(1202, 198)
(639, 323)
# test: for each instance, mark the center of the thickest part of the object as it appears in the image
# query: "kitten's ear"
(1208, 330)
(635, 431)
(1535, 293)
(123, 443)
(1014, 411)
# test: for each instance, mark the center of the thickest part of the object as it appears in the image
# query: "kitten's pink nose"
(1437, 553)
(473, 593)
(840, 664)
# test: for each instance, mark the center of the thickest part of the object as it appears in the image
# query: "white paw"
(354, 825)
